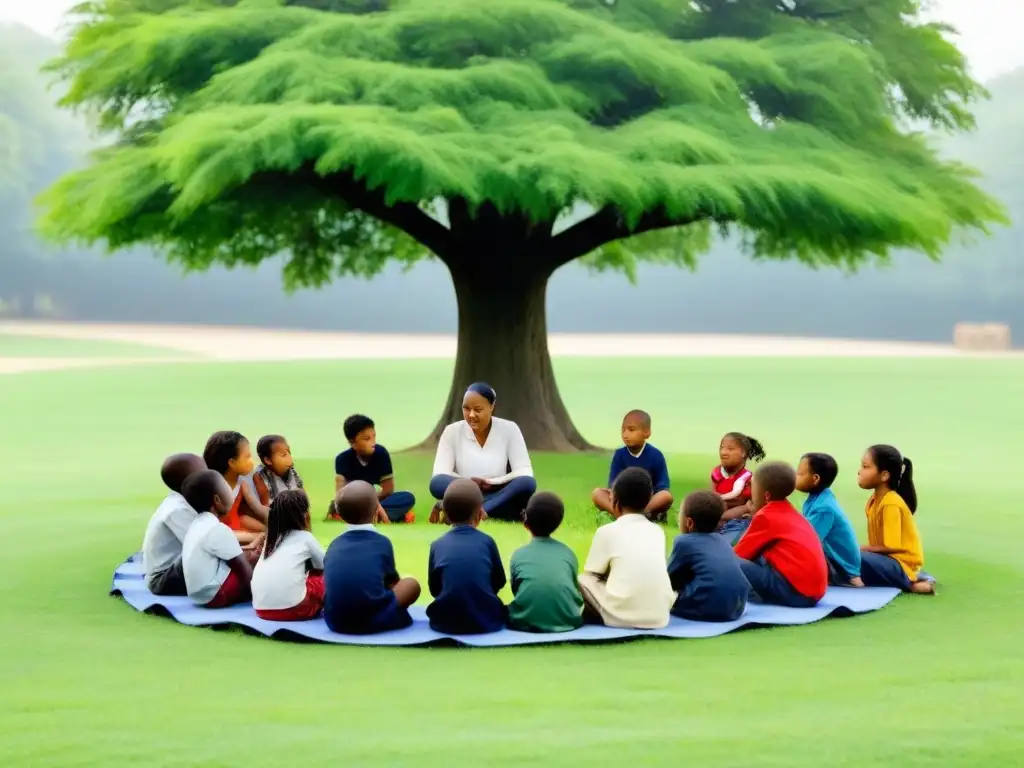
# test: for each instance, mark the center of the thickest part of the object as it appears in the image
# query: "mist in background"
(913, 299)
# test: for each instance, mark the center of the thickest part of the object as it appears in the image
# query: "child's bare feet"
(856, 581)
(435, 514)
(923, 588)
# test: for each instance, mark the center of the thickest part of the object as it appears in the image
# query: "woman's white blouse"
(459, 453)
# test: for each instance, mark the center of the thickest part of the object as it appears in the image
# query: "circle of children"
(227, 534)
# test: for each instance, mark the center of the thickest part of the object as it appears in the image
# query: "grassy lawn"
(87, 681)
(13, 345)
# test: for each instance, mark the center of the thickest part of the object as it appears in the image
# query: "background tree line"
(728, 293)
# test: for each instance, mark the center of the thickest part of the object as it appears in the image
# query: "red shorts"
(231, 592)
(309, 608)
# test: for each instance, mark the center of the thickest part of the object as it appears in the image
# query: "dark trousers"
(502, 502)
(772, 587)
(883, 571)
(170, 582)
(731, 530)
(397, 505)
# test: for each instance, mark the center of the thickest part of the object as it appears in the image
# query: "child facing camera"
(637, 452)
(229, 453)
(363, 592)
(464, 571)
(703, 569)
(782, 557)
(277, 471)
(543, 573)
(624, 582)
(731, 480)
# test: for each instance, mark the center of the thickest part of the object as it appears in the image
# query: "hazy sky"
(990, 30)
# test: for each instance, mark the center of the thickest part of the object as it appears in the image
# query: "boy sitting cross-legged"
(543, 573)
(367, 460)
(781, 555)
(363, 593)
(465, 572)
(637, 452)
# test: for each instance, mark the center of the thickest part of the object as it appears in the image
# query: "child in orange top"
(733, 481)
(894, 555)
(229, 454)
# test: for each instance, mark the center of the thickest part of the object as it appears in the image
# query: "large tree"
(508, 138)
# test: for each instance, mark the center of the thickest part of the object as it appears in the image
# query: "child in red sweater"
(781, 554)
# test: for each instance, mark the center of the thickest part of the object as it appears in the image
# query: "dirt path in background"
(221, 343)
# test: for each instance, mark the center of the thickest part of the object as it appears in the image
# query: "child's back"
(465, 576)
(543, 574)
(167, 528)
(703, 568)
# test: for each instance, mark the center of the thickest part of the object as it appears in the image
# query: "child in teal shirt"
(547, 595)
(814, 476)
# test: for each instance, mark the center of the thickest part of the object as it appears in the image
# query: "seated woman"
(489, 451)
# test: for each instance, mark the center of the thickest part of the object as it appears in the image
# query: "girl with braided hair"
(731, 480)
(288, 581)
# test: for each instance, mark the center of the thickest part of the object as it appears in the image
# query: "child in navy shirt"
(637, 452)
(703, 568)
(363, 593)
(370, 462)
(465, 572)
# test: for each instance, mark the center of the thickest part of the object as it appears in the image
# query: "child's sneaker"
(410, 516)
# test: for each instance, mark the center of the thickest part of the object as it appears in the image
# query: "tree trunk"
(503, 341)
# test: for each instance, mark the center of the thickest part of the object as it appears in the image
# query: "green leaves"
(780, 120)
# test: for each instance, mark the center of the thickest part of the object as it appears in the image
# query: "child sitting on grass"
(637, 452)
(894, 555)
(288, 581)
(363, 592)
(161, 546)
(624, 582)
(703, 569)
(229, 454)
(782, 557)
(464, 571)
(369, 461)
(217, 572)
(731, 480)
(543, 573)
(814, 476)
(277, 471)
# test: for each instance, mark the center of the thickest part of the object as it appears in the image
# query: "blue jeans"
(397, 504)
(772, 587)
(502, 502)
(882, 571)
(733, 529)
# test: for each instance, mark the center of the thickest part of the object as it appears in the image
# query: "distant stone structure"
(981, 337)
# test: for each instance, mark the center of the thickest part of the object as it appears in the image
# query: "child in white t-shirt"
(288, 581)
(217, 572)
(161, 546)
(625, 580)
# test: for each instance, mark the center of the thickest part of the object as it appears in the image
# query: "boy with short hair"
(637, 452)
(217, 572)
(543, 573)
(781, 555)
(465, 573)
(814, 476)
(367, 460)
(624, 582)
(161, 546)
(363, 593)
(230, 454)
(703, 569)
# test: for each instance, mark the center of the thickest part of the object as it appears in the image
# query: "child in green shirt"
(547, 595)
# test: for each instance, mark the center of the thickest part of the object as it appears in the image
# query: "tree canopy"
(347, 132)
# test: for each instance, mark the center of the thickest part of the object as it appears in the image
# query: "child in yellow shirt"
(894, 555)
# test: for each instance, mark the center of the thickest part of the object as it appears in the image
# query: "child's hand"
(382, 516)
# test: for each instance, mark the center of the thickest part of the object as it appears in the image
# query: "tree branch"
(603, 227)
(408, 217)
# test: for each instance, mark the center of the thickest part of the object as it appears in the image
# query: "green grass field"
(87, 681)
(14, 345)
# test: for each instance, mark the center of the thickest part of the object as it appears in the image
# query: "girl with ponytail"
(894, 555)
